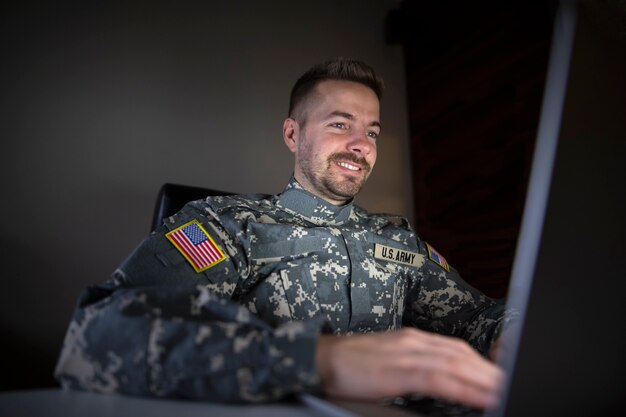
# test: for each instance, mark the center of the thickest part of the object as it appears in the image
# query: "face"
(335, 144)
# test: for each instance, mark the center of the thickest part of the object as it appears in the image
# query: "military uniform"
(226, 300)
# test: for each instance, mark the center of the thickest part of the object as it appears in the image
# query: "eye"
(338, 125)
(372, 134)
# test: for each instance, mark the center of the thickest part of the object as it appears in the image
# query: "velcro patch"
(436, 257)
(195, 244)
(387, 253)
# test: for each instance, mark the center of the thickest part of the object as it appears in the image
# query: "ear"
(291, 133)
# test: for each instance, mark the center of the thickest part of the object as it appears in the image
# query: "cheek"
(372, 156)
(312, 150)
(324, 147)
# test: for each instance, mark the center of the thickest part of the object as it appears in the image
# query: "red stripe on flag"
(205, 250)
(188, 249)
(201, 255)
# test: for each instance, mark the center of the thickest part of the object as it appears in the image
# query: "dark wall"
(475, 77)
(101, 102)
(577, 298)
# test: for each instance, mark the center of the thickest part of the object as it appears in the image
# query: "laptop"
(566, 357)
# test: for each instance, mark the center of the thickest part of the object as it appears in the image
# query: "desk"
(60, 403)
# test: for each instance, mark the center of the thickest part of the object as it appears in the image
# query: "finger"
(455, 374)
(434, 380)
(457, 358)
(469, 370)
(441, 386)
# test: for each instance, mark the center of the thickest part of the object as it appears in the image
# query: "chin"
(347, 192)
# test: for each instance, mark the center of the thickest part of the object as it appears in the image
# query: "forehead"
(346, 96)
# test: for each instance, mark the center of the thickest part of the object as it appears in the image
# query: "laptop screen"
(568, 359)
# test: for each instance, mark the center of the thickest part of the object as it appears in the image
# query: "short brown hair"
(342, 69)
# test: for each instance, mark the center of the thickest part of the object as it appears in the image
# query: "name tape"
(387, 253)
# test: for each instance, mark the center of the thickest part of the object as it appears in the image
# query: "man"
(253, 298)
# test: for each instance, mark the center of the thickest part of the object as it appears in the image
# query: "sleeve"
(189, 249)
(183, 342)
(160, 328)
(439, 300)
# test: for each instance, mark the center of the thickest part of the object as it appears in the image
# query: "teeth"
(348, 166)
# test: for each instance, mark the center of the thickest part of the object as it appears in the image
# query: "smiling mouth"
(350, 162)
(348, 166)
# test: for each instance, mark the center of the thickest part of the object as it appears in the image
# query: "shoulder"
(217, 206)
(228, 213)
(385, 226)
(380, 220)
(252, 202)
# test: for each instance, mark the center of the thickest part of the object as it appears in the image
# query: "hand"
(500, 346)
(496, 348)
(379, 365)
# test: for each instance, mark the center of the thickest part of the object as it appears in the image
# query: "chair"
(172, 198)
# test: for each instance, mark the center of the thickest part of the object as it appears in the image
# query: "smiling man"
(256, 297)
(333, 136)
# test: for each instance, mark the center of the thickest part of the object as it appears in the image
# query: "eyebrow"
(349, 117)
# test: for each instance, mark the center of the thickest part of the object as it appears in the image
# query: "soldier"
(256, 297)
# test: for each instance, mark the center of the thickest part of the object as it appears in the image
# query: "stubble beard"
(336, 187)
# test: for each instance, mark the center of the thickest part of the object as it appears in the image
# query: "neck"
(307, 186)
(301, 203)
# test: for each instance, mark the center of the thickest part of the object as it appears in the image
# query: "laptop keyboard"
(427, 406)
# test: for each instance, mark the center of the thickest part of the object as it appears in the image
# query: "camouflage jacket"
(225, 301)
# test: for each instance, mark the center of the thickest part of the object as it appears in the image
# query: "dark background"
(102, 103)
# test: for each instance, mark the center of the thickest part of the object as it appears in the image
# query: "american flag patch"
(437, 258)
(195, 244)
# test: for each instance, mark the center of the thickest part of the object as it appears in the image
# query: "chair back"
(172, 198)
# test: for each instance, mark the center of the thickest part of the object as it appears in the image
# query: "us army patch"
(434, 256)
(387, 253)
(195, 244)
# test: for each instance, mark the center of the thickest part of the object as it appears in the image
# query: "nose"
(360, 142)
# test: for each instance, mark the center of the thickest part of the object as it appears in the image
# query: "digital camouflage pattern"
(246, 328)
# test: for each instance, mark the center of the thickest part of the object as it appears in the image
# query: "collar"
(301, 203)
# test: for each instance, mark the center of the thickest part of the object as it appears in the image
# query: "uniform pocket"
(268, 301)
(287, 250)
(285, 295)
(295, 256)
(300, 292)
(378, 302)
(288, 254)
